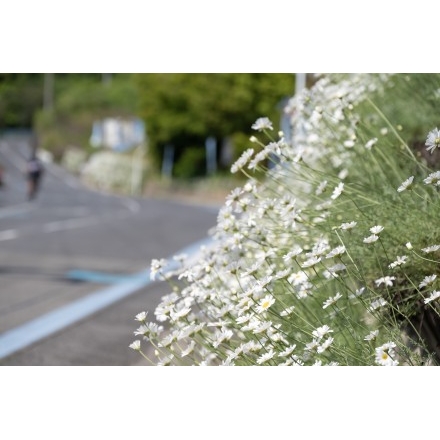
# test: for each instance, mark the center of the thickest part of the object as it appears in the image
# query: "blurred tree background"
(21, 94)
(179, 109)
(184, 109)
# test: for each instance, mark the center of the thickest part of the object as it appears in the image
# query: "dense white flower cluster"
(285, 269)
(108, 170)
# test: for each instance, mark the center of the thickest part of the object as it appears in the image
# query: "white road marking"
(132, 205)
(72, 223)
(8, 234)
(21, 337)
(13, 211)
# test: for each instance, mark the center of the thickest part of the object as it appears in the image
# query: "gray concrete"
(71, 227)
(101, 340)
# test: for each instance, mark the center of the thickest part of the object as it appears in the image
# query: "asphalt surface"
(72, 247)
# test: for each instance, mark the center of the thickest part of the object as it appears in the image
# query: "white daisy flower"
(321, 188)
(370, 143)
(180, 258)
(332, 272)
(430, 249)
(385, 355)
(337, 191)
(311, 262)
(336, 252)
(433, 140)
(136, 345)
(377, 304)
(311, 345)
(262, 124)
(265, 357)
(242, 160)
(288, 351)
(156, 267)
(141, 316)
(347, 226)
(298, 278)
(406, 185)
(372, 335)
(222, 335)
(292, 254)
(151, 329)
(433, 179)
(371, 239)
(244, 318)
(376, 229)
(265, 303)
(262, 327)
(189, 349)
(399, 262)
(427, 281)
(343, 174)
(326, 344)
(320, 332)
(388, 281)
(176, 314)
(357, 293)
(332, 300)
(434, 295)
(288, 311)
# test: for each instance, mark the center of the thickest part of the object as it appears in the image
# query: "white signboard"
(118, 134)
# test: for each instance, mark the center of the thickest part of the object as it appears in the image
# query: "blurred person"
(34, 173)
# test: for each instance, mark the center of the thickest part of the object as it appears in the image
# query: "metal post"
(106, 78)
(211, 155)
(168, 159)
(299, 86)
(48, 92)
(300, 82)
(137, 168)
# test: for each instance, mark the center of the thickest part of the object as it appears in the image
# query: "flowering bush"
(74, 159)
(108, 170)
(328, 254)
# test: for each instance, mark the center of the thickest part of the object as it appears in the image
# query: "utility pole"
(300, 82)
(106, 78)
(299, 86)
(48, 92)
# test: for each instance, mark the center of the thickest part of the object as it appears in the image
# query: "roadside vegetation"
(330, 255)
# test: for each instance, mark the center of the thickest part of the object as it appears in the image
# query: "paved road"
(72, 247)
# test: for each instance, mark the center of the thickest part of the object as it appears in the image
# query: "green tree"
(81, 99)
(20, 95)
(183, 109)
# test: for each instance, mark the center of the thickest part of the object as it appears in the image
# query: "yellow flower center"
(437, 141)
(265, 305)
(384, 356)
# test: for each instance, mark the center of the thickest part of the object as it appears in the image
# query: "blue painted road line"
(21, 337)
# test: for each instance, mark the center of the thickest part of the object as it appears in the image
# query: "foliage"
(183, 109)
(81, 99)
(20, 95)
(331, 256)
(192, 163)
